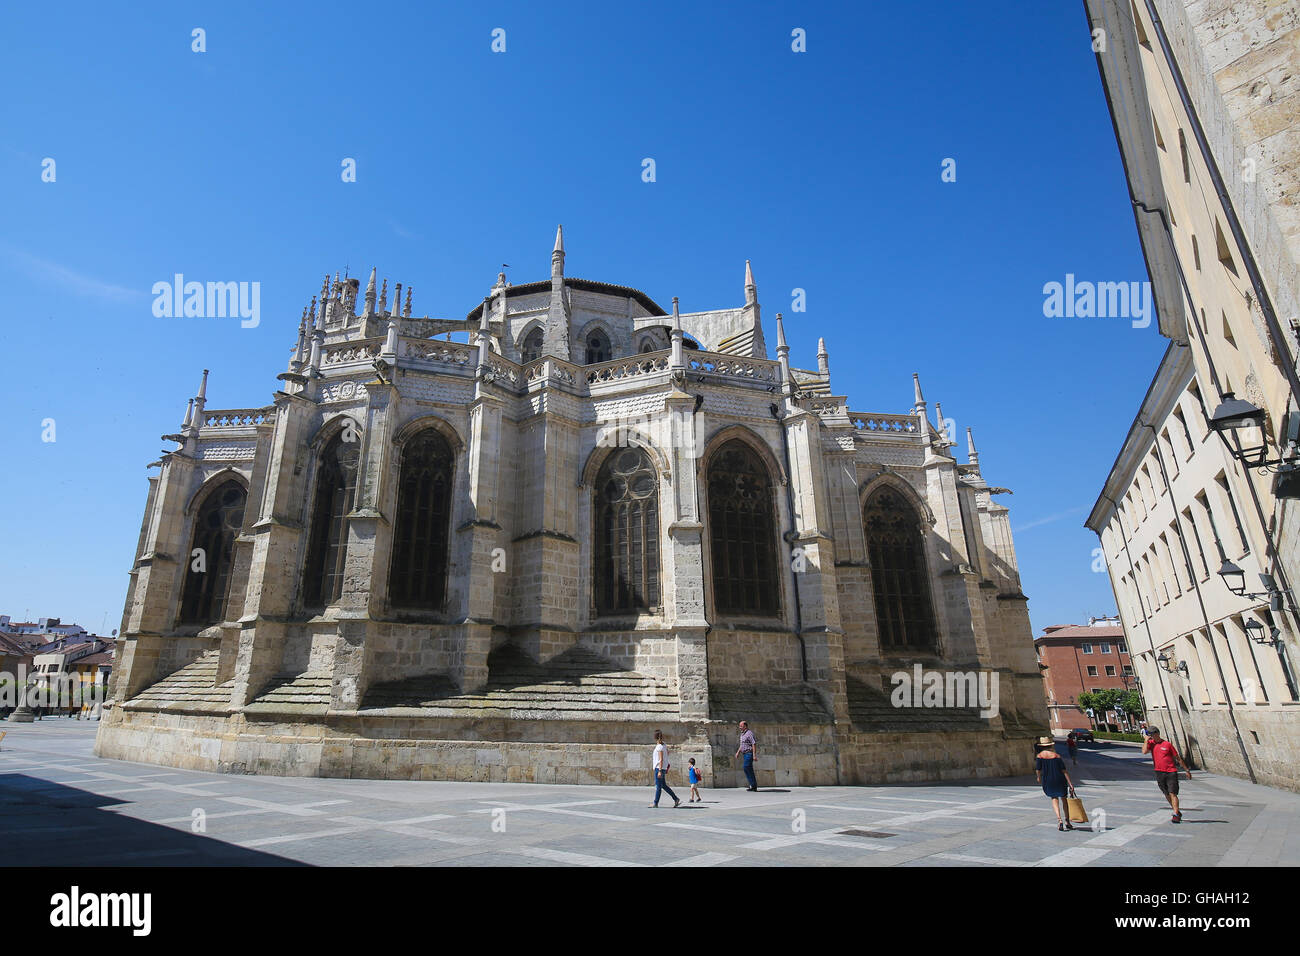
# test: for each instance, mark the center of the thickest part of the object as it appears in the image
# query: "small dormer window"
(597, 347)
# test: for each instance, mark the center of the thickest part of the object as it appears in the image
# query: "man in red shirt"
(1164, 754)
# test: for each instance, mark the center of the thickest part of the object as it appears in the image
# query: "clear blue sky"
(822, 167)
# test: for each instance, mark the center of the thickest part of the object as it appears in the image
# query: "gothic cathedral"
(511, 546)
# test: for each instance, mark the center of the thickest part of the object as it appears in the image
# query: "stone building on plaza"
(515, 556)
(1204, 96)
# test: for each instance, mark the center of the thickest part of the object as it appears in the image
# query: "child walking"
(694, 776)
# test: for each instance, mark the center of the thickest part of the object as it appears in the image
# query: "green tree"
(1132, 704)
(1088, 701)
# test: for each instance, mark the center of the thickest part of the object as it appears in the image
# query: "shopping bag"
(1076, 811)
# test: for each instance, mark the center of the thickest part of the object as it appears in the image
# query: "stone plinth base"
(545, 751)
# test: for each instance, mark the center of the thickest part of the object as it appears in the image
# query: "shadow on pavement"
(51, 824)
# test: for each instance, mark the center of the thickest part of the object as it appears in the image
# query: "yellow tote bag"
(1075, 808)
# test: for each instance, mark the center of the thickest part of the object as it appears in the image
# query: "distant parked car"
(1080, 734)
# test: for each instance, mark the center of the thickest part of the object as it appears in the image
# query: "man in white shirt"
(661, 766)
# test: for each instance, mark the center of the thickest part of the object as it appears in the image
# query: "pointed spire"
(823, 357)
(751, 290)
(783, 357)
(295, 363)
(971, 454)
(397, 300)
(559, 312)
(409, 290)
(678, 358)
(383, 298)
(370, 294)
(557, 254)
(916, 385)
(200, 400)
(189, 414)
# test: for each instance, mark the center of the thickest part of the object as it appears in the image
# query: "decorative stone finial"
(557, 254)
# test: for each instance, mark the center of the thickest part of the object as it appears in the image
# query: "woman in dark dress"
(1051, 772)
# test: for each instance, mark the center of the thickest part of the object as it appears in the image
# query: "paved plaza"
(61, 805)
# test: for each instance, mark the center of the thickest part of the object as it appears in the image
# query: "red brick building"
(1081, 657)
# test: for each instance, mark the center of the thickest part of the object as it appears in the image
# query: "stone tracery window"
(418, 578)
(336, 480)
(203, 598)
(531, 350)
(626, 550)
(598, 348)
(899, 576)
(742, 533)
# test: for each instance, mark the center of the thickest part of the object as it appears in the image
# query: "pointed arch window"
(899, 576)
(418, 578)
(627, 533)
(207, 580)
(742, 532)
(336, 480)
(598, 348)
(531, 350)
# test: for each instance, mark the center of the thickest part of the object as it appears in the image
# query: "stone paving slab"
(60, 804)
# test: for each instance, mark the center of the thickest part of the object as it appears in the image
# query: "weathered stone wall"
(1213, 742)
(653, 653)
(753, 657)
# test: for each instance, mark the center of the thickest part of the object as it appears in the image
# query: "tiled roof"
(587, 285)
(100, 657)
(1081, 632)
(9, 646)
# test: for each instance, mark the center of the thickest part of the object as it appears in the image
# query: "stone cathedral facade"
(516, 555)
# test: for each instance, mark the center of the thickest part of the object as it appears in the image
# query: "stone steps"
(871, 710)
(577, 685)
(193, 686)
(769, 704)
(295, 693)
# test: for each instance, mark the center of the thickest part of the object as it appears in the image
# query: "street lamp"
(1255, 631)
(1244, 421)
(1173, 668)
(1233, 577)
